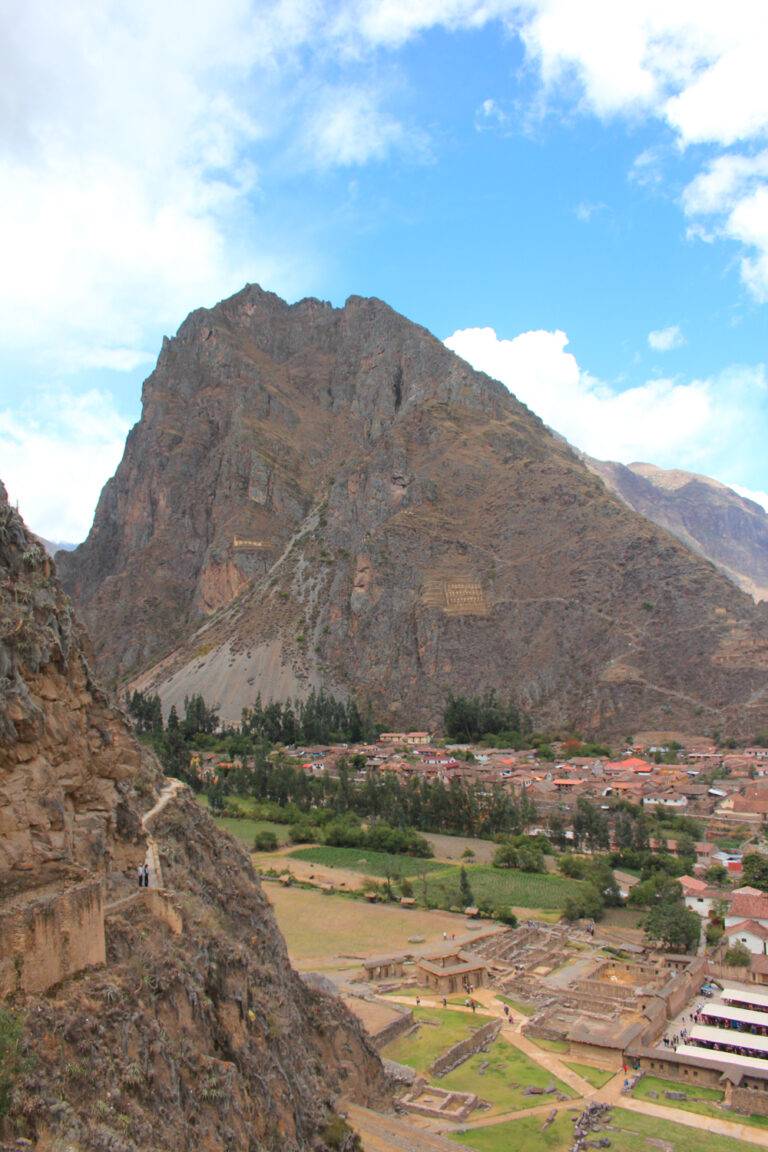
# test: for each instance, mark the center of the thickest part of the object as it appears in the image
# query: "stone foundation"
(49, 938)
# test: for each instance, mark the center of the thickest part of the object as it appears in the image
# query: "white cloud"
(57, 451)
(668, 422)
(349, 128)
(758, 497)
(699, 69)
(665, 339)
(130, 135)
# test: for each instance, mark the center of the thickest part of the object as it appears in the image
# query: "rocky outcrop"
(186, 1027)
(710, 518)
(67, 761)
(329, 496)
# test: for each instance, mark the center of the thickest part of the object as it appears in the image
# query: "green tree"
(587, 904)
(673, 926)
(738, 955)
(465, 889)
(265, 841)
(755, 873)
(717, 874)
(12, 1061)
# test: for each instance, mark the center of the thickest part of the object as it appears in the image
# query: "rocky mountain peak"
(329, 497)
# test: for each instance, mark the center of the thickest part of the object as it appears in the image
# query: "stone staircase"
(380, 1133)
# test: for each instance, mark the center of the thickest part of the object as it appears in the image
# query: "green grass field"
(500, 1075)
(506, 887)
(635, 1131)
(497, 1076)
(246, 830)
(597, 1077)
(443, 1028)
(700, 1099)
(499, 887)
(550, 1045)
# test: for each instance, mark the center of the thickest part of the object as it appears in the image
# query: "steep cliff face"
(321, 496)
(67, 761)
(196, 1033)
(707, 516)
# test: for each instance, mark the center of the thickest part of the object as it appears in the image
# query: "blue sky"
(573, 195)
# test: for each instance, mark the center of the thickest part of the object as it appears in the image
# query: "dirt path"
(152, 858)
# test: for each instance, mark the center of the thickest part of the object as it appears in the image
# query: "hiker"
(146, 875)
(140, 875)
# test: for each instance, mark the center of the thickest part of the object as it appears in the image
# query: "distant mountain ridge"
(319, 496)
(709, 517)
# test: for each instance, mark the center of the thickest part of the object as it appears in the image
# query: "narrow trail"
(152, 858)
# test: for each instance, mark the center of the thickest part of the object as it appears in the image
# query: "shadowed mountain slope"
(709, 517)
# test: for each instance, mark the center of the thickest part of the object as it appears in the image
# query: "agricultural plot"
(498, 887)
(505, 887)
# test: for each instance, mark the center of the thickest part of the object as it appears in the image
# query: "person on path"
(445, 1002)
(140, 875)
(146, 875)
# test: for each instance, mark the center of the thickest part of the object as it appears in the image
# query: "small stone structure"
(383, 967)
(450, 969)
(438, 1103)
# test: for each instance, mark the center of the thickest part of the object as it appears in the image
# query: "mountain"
(320, 496)
(141, 1020)
(710, 518)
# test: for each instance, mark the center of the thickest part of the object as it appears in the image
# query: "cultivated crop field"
(498, 887)
(506, 887)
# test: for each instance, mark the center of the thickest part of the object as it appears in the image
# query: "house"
(667, 800)
(747, 908)
(751, 933)
(699, 896)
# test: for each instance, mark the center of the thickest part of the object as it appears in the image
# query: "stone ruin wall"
(49, 939)
(395, 1028)
(749, 1100)
(464, 1049)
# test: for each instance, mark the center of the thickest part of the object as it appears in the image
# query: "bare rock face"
(710, 518)
(196, 1033)
(319, 496)
(64, 750)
